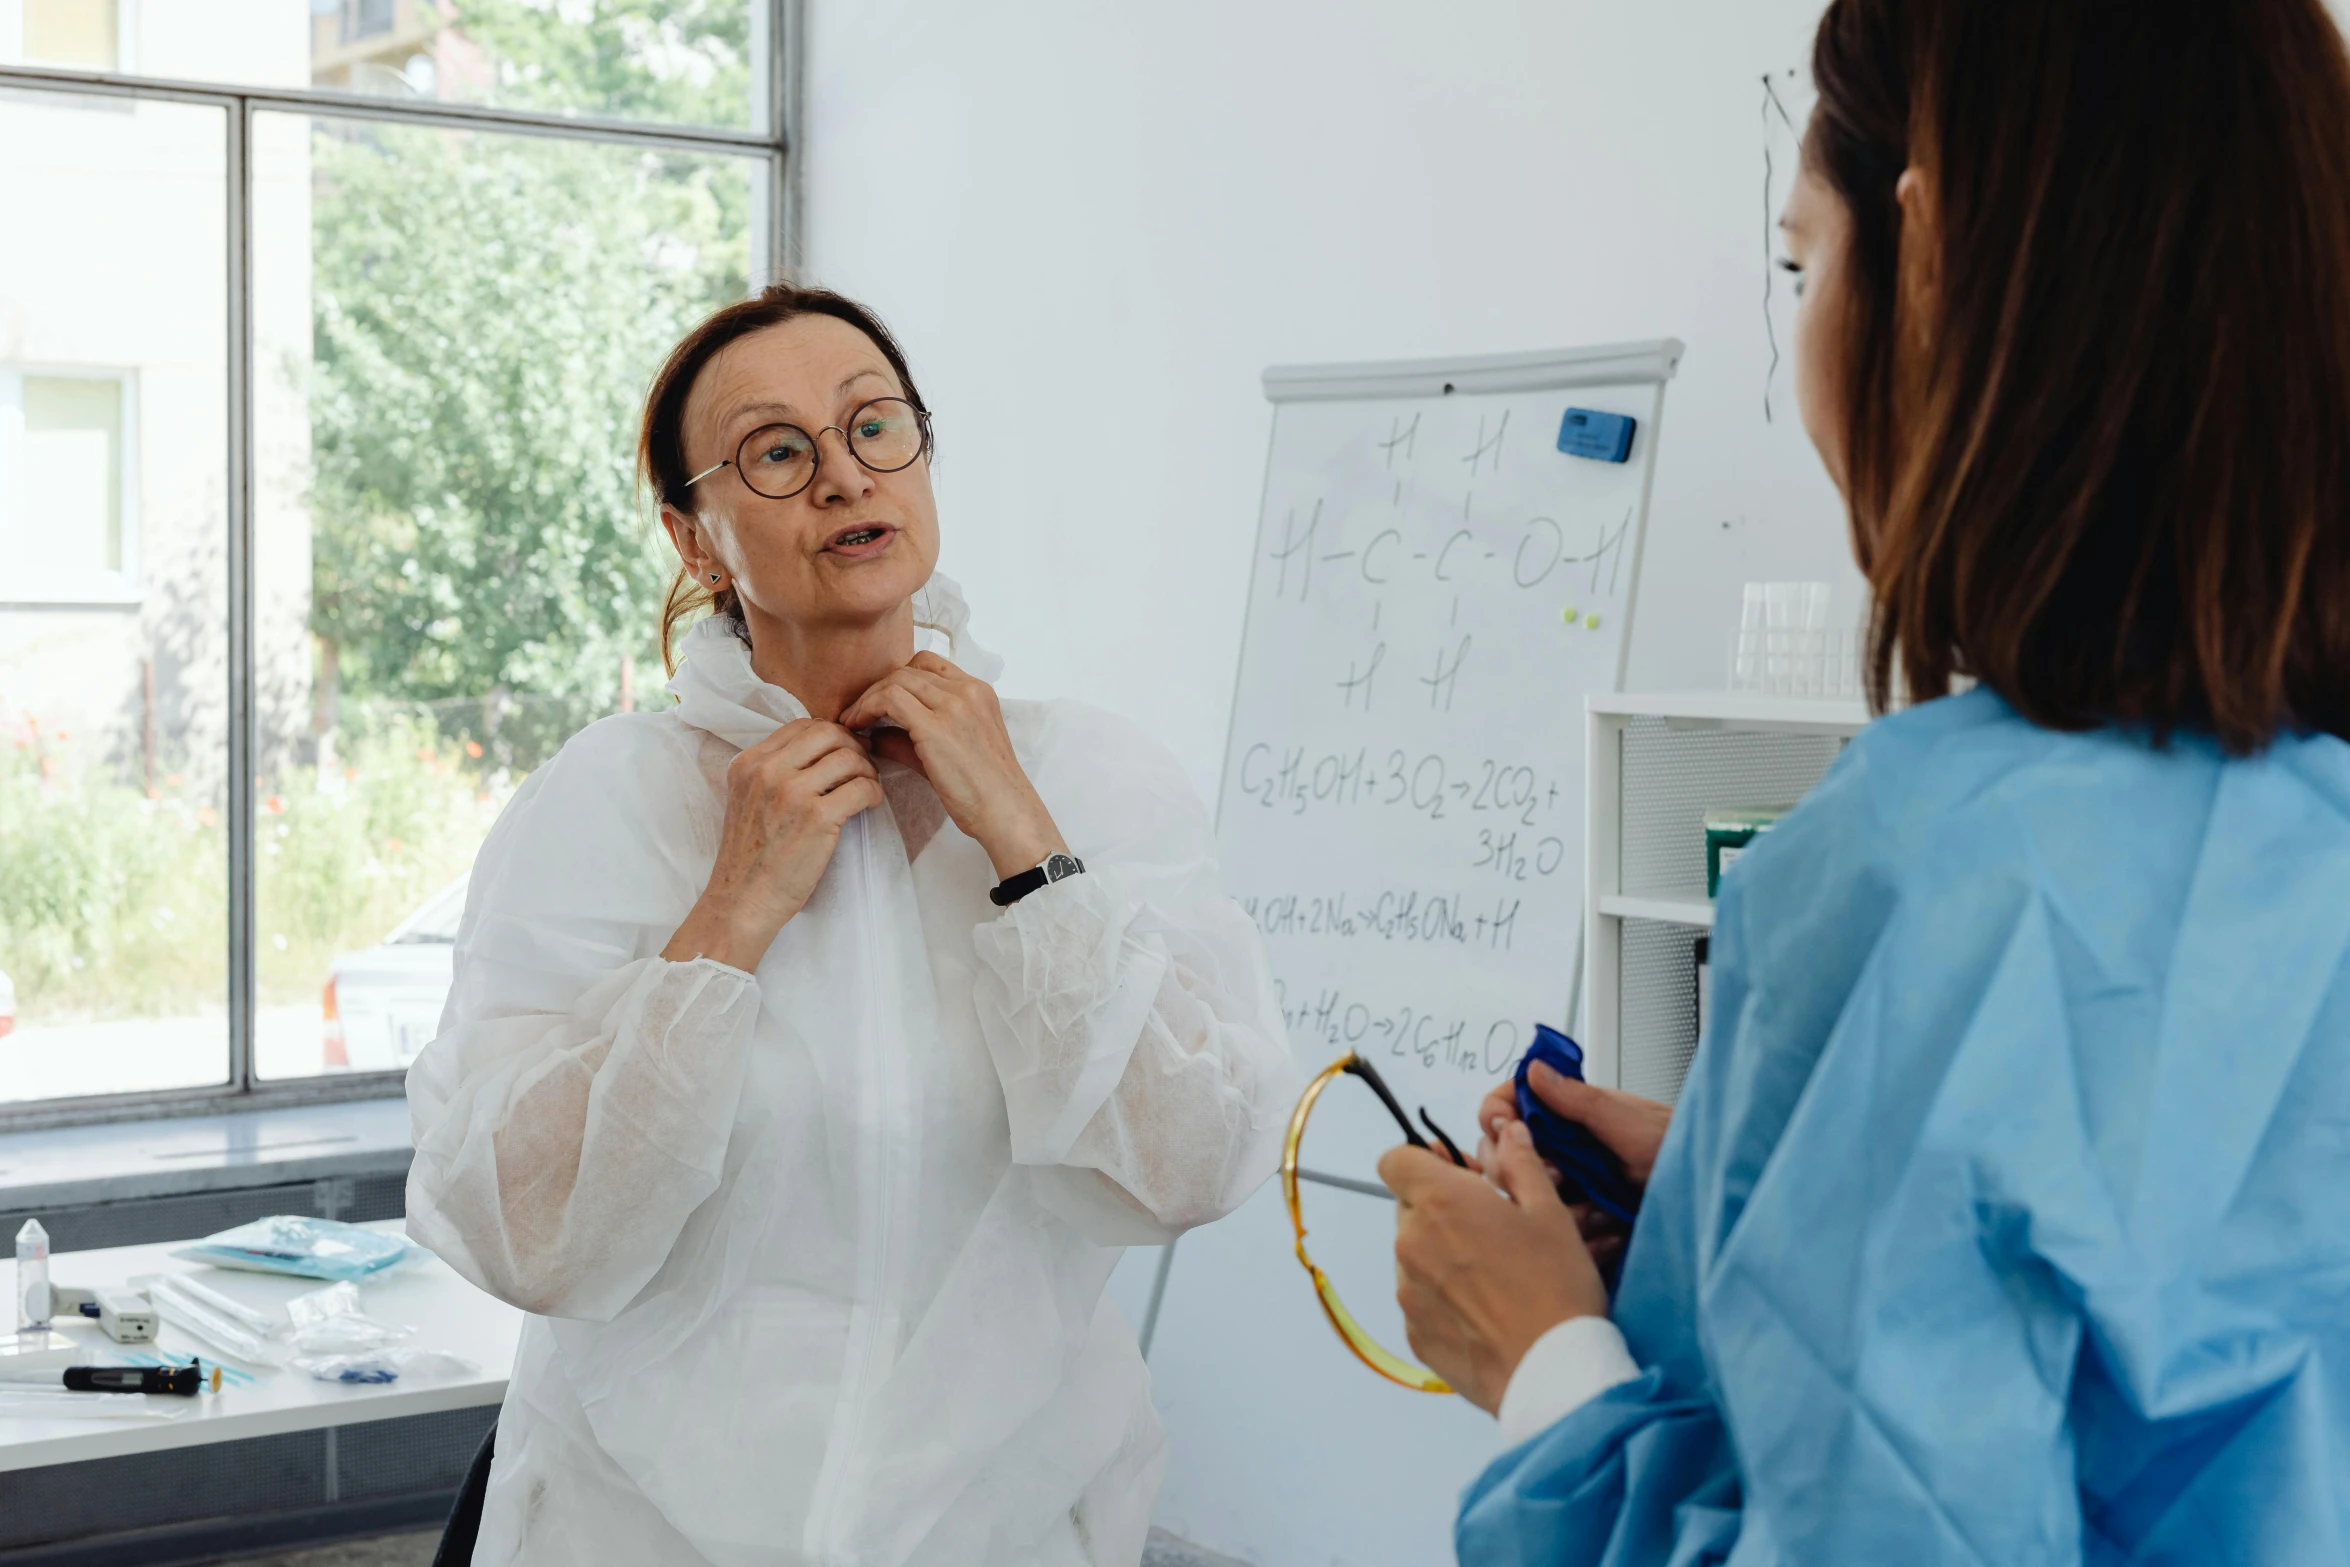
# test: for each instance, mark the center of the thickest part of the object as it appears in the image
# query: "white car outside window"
(383, 1005)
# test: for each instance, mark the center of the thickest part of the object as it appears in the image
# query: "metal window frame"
(775, 249)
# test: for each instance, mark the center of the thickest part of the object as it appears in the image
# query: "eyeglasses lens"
(779, 460)
(886, 434)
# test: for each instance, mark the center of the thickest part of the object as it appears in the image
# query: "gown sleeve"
(1130, 1011)
(1646, 1473)
(575, 1107)
(1643, 1474)
(1989, 1224)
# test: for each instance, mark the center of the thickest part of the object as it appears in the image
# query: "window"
(292, 595)
(114, 636)
(435, 685)
(73, 32)
(72, 472)
(64, 473)
(362, 19)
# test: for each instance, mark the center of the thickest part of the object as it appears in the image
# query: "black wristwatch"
(1057, 867)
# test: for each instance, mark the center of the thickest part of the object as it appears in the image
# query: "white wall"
(1095, 224)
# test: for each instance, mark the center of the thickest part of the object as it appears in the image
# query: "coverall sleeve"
(576, 1104)
(1130, 1011)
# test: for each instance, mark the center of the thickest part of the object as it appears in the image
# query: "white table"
(446, 1312)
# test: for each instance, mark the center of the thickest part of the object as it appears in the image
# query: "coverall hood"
(717, 691)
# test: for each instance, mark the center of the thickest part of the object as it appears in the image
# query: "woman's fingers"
(935, 677)
(1498, 1108)
(932, 688)
(1519, 1171)
(887, 698)
(1632, 1128)
(777, 743)
(1407, 1171)
(937, 684)
(788, 752)
(835, 768)
(800, 742)
(858, 794)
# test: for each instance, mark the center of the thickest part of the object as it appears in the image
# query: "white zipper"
(837, 1504)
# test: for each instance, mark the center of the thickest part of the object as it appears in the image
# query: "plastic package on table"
(197, 1312)
(303, 1246)
(335, 1340)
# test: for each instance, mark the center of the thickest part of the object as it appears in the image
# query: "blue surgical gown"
(2005, 1215)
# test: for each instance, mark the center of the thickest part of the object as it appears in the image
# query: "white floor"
(415, 1550)
(393, 1550)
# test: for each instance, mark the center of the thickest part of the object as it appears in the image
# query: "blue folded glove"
(1587, 1171)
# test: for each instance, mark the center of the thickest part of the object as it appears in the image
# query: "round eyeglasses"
(780, 460)
(1367, 1349)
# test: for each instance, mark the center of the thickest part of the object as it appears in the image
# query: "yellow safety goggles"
(1367, 1349)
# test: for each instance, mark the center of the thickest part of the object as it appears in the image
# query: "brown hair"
(2097, 421)
(661, 446)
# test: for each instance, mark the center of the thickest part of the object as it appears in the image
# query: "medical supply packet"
(303, 1246)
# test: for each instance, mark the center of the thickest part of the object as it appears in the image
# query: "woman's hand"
(787, 799)
(950, 729)
(1631, 1128)
(1482, 1274)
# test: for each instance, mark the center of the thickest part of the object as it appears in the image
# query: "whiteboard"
(1435, 590)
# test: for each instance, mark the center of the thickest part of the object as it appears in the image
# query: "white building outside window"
(318, 526)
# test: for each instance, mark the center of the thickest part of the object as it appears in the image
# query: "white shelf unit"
(1657, 762)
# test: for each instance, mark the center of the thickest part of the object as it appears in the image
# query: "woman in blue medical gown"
(2005, 1215)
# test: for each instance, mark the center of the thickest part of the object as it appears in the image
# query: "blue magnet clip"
(1585, 432)
(1587, 1171)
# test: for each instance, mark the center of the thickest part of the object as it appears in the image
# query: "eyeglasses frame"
(815, 444)
(1367, 1349)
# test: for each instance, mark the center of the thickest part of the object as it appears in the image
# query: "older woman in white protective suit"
(817, 1043)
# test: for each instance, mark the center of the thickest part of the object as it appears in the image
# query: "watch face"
(1059, 867)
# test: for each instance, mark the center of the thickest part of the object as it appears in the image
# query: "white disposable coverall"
(814, 1256)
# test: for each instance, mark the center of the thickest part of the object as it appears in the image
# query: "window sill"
(99, 591)
(63, 1166)
(174, 1104)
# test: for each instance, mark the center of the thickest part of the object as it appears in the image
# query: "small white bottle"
(32, 1278)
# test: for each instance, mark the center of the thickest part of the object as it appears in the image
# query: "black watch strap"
(1057, 867)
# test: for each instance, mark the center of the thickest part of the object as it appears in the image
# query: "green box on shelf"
(1728, 831)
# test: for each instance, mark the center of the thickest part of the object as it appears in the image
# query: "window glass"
(455, 572)
(71, 32)
(69, 501)
(686, 62)
(113, 597)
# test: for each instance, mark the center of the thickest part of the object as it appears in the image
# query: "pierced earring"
(713, 576)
